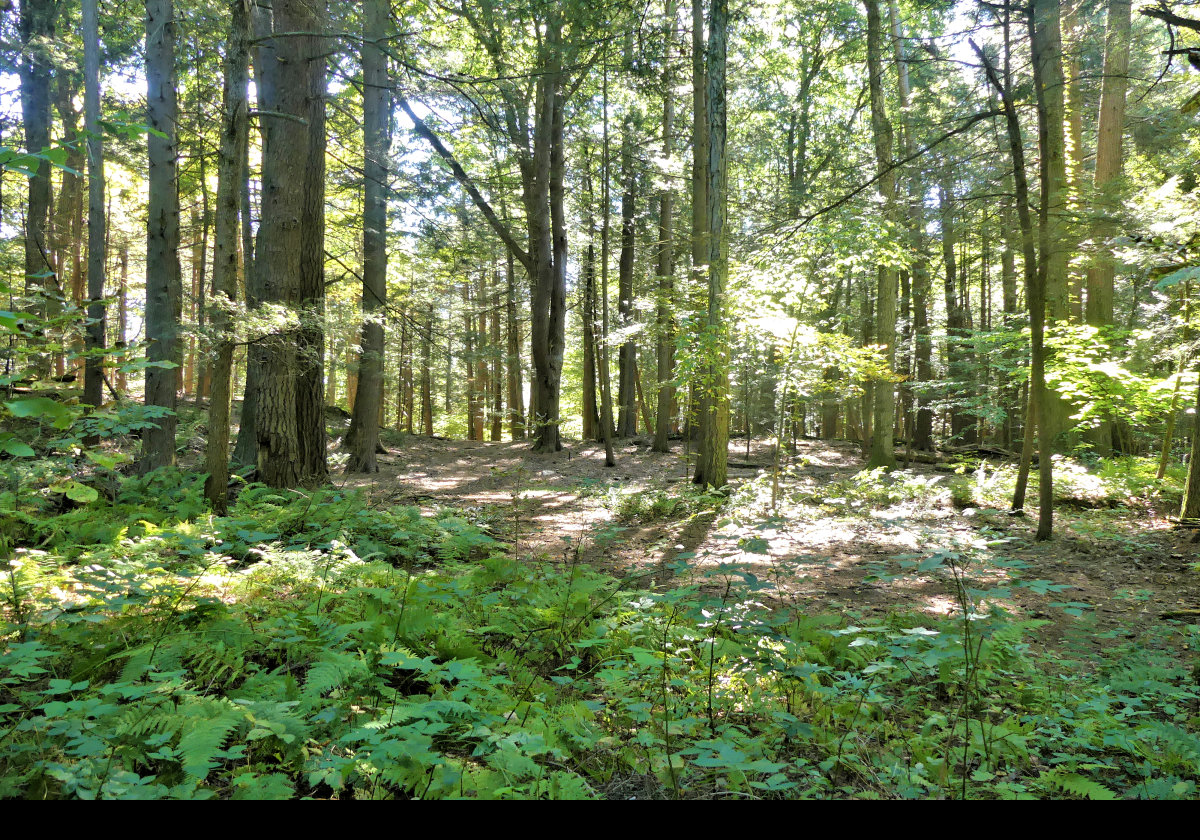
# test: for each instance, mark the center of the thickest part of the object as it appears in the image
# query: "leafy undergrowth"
(313, 646)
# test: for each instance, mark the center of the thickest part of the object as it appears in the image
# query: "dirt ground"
(1126, 564)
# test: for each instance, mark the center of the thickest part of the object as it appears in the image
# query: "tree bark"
(37, 20)
(362, 439)
(234, 126)
(163, 280)
(884, 409)
(713, 455)
(665, 344)
(93, 379)
(1109, 161)
(290, 422)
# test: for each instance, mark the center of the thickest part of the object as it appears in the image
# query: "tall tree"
(363, 437)
(713, 455)
(290, 254)
(234, 127)
(163, 280)
(1109, 158)
(883, 421)
(665, 340)
(93, 385)
(37, 20)
(1045, 32)
(627, 358)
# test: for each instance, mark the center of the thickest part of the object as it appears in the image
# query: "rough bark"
(713, 455)
(290, 419)
(1054, 212)
(665, 269)
(1109, 161)
(93, 380)
(362, 438)
(37, 20)
(234, 125)
(163, 280)
(884, 408)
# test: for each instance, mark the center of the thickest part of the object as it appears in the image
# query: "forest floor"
(1112, 570)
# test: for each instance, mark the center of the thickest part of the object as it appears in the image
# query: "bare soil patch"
(1126, 564)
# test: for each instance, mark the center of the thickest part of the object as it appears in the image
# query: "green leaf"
(16, 448)
(41, 407)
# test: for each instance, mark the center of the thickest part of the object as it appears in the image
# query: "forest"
(622, 399)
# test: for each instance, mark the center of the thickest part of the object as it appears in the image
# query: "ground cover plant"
(323, 645)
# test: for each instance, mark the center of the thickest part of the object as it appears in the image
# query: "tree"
(290, 420)
(665, 267)
(1109, 157)
(713, 455)
(363, 437)
(37, 25)
(234, 128)
(881, 454)
(163, 279)
(93, 386)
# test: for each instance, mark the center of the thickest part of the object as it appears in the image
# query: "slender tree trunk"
(606, 407)
(93, 381)
(123, 314)
(427, 374)
(712, 457)
(883, 421)
(245, 451)
(163, 281)
(627, 359)
(234, 126)
(363, 436)
(665, 349)
(1035, 300)
(1054, 213)
(516, 393)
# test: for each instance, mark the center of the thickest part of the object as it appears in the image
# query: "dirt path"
(1127, 566)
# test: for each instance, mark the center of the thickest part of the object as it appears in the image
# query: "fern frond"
(1076, 785)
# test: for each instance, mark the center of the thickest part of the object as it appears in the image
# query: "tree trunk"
(627, 359)
(713, 455)
(1109, 159)
(1035, 300)
(290, 421)
(163, 280)
(93, 379)
(363, 437)
(665, 349)
(37, 24)
(1054, 213)
(516, 393)
(245, 451)
(884, 409)
(234, 125)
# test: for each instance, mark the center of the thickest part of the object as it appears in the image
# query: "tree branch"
(464, 179)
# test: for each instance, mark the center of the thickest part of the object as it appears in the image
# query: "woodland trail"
(1121, 567)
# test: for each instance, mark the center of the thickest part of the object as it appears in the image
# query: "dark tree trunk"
(93, 381)
(163, 281)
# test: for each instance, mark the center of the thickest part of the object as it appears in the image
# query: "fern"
(332, 670)
(1076, 785)
(208, 725)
